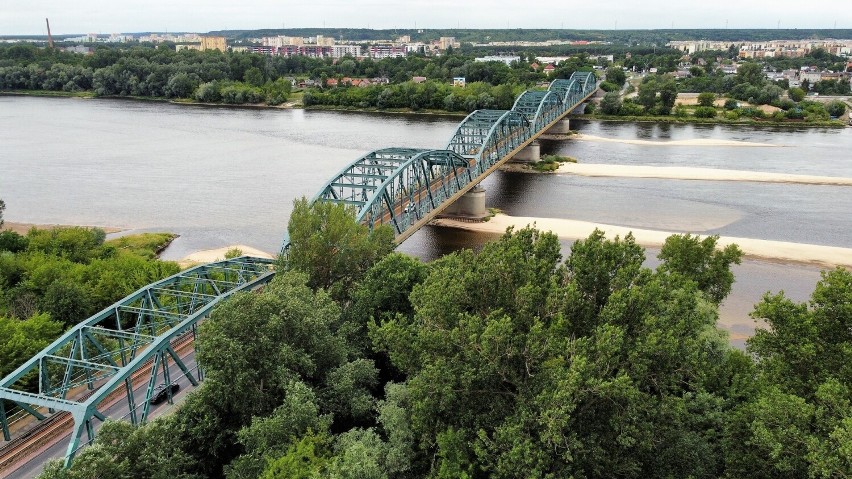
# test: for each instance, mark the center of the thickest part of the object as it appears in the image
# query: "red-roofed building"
(549, 68)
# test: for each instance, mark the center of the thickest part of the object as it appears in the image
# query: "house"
(459, 81)
(535, 66)
(331, 82)
(418, 79)
(549, 69)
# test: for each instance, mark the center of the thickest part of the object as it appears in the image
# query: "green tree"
(700, 261)
(21, 340)
(253, 77)
(611, 104)
(647, 96)
(306, 459)
(707, 99)
(796, 94)
(2, 209)
(334, 250)
(751, 73)
(616, 75)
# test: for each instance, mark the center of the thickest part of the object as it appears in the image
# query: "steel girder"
(397, 186)
(401, 186)
(101, 353)
(540, 107)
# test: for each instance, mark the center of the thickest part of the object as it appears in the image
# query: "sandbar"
(690, 142)
(694, 173)
(211, 255)
(828, 256)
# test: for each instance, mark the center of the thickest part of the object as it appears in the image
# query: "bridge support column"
(471, 205)
(530, 154)
(560, 128)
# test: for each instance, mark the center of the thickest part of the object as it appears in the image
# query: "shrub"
(836, 108)
(705, 112)
(732, 115)
(731, 104)
(706, 99)
(796, 94)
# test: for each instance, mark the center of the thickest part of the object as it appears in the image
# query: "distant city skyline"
(104, 17)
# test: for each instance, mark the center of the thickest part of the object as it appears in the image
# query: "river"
(221, 176)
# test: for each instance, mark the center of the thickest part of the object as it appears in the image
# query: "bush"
(608, 87)
(12, 242)
(705, 112)
(796, 94)
(731, 104)
(836, 108)
(706, 99)
(611, 104)
(732, 115)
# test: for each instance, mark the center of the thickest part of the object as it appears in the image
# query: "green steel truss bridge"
(97, 362)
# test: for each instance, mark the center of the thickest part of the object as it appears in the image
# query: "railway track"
(49, 431)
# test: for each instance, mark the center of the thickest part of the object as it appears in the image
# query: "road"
(36, 461)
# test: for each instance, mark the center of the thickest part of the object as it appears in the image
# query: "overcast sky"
(123, 16)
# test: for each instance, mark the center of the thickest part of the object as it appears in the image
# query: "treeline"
(213, 76)
(511, 362)
(417, 96)
(52, 279)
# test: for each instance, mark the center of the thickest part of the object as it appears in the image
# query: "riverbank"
(690, 142)
(782, 251)
(24, 228)
(713, 121)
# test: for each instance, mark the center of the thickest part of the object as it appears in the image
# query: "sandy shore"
(828, 256)
(23, 228)
(692, 142)
(690, 173)
(211, 255)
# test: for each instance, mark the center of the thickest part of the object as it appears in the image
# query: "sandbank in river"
(827, 256)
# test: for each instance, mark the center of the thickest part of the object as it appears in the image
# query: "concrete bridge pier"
(470, 206)
(530, 154)
(560, 128)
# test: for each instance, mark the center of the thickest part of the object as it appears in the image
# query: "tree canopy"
(509, 362)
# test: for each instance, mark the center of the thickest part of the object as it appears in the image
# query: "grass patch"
(492, 212)
(147, 245)
(63, 94)
(551, 162)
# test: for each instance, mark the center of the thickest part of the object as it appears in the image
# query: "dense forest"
(358, 362)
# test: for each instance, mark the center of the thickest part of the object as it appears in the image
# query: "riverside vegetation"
(358, 362)
(50, 279)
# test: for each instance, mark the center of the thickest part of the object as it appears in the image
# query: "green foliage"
(2, 209)
(731, 104)
(145, 245)
(233, 253)
(706, 99)
(12, 242)
(700, 261)
(616, 76)
(332, 249)
(22, 339)
(609, 87)
(611, 104)
(796, 94)
(122, 450)
(705, 112)
(53, 279)
(304, 460)
(836, 108)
